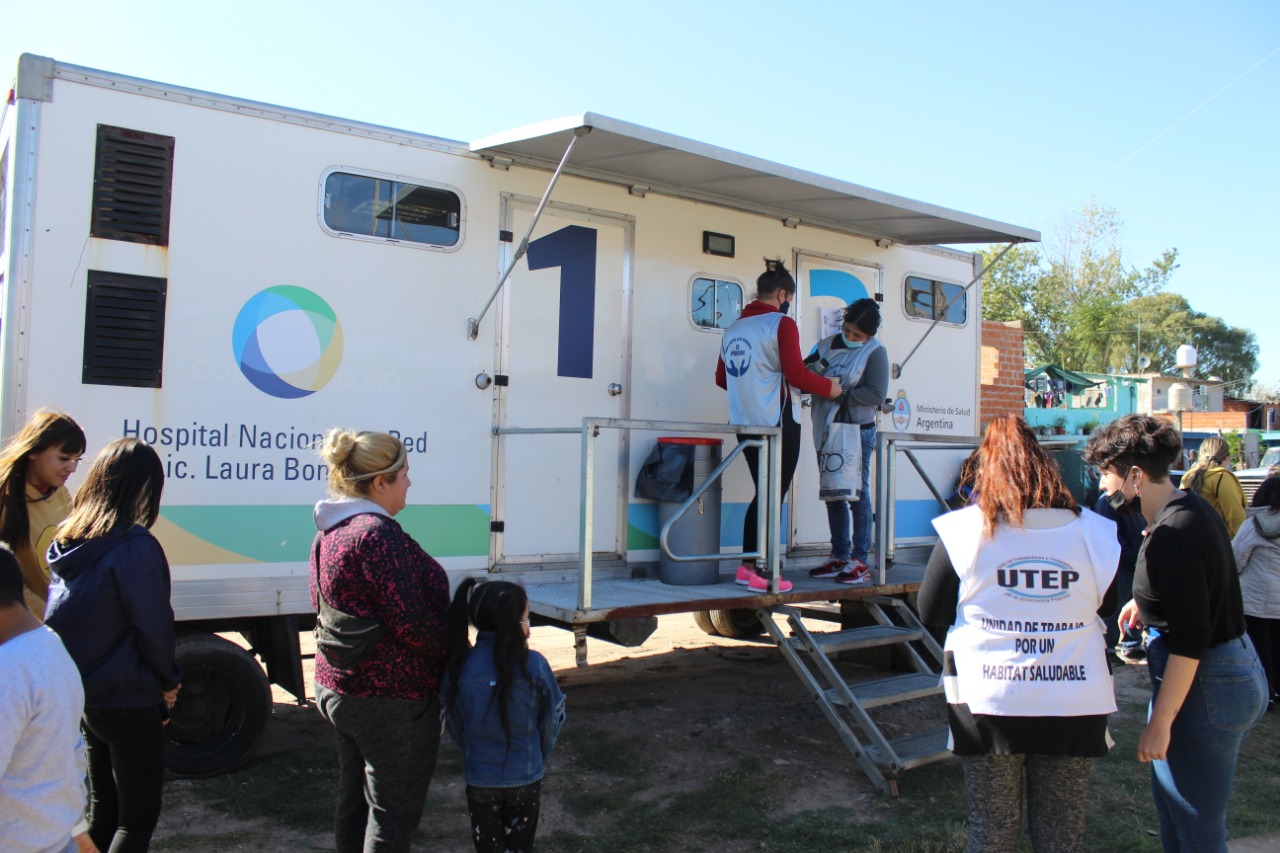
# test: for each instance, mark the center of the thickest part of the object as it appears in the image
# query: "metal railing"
(768, 489)
(888, 448)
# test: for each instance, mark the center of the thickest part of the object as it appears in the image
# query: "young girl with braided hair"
(504, 710)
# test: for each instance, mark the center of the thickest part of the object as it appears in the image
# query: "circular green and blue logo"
(287, 341)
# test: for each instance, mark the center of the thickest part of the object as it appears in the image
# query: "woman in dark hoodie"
(109, 602)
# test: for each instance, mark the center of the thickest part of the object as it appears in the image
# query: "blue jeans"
(838, 512)
(1132, 638)
(1192, 785)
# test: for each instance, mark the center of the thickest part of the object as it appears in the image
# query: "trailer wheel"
(739, 623)
(702, 618)
(222, 710)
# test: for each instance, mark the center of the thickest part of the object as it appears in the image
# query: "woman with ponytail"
(384, 709)
(504, 710)
(762, 369)
(1211, 480)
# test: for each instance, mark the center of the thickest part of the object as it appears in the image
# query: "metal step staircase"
(845, 705)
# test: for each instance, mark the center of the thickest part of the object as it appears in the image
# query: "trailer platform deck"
(632, 598)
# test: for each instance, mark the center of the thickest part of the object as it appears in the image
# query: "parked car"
(1251, 478)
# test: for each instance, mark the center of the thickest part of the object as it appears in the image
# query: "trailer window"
(124, 330)
(926, 299)
(365, 206)
(132, 185)
(714, 303)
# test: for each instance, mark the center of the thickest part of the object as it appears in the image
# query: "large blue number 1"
(573, 249)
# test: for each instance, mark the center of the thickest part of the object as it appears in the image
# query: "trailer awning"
(648, 160)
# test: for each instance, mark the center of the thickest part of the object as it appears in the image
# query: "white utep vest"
(753, 371)
(847, 366)
(1028, 641)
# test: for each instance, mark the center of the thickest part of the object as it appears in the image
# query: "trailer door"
(563, 335)
(826, 285)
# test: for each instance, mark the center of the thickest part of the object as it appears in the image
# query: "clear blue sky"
(1167, 111)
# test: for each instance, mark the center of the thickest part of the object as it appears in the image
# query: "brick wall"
(1213, 421)
(1001, 370)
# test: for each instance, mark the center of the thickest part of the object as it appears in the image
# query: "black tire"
(738, 623)
(702, 618)
(222, 709)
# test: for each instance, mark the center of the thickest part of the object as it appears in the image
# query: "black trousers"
(386, 754)
(790, 458)
(1265, 634)
(125, 748)
(504, 820)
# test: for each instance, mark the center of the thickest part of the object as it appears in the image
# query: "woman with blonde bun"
(385, 709)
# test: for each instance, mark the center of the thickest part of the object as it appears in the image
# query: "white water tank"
(1186, 356)
(1180, 393)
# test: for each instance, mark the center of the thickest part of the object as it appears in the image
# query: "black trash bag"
(667, 475)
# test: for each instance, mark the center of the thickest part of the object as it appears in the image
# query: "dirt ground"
(694, 704)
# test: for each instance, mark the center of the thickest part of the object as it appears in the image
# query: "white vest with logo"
(847, 366)
(1028, 641)
(753, 371)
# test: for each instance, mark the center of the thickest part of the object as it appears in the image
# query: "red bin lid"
(682, 439)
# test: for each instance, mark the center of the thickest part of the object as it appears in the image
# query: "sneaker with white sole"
(854, 573)
(829, 569)
(760, 583)
(745, 574)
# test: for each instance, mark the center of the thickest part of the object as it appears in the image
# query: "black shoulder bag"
(344, 640)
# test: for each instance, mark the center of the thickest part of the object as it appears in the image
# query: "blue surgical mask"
(853, 344)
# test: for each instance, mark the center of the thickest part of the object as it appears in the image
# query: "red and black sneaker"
(829, 569)
(854, 573)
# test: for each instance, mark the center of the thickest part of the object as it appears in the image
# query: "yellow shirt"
(1222, 490)
(44, 513)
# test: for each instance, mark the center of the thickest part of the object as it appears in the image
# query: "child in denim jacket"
(504, 709)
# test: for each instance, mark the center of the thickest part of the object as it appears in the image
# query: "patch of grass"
(597, 751)
(246, 839)
(296, 788)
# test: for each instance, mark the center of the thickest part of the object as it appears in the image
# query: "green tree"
(1084, 308)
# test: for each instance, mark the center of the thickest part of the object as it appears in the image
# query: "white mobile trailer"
(227, 280)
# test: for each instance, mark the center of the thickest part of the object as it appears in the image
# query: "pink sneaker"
(745, 574)
(760, 583)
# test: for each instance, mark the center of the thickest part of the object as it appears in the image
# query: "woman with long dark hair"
(384, 709)
(504, 710)
(109, 602)
(762, 369)
(1020, 580)
(34, 468)
(1207, 684)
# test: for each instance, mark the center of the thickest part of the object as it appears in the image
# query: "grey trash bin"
(698, 531)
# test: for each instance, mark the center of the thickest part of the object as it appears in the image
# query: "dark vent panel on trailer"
(124, 330)
(132, 184)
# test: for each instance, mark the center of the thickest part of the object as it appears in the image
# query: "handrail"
(693, 498)
(768, 491)
(890, 446)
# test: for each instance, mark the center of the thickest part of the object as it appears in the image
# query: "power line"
(1156, 138)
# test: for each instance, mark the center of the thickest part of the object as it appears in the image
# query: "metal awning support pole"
(473, 325)
(897, 368)
(586, 520)
(775, 512)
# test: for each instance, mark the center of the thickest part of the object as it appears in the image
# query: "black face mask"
(785, 306)
(1125, 506)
